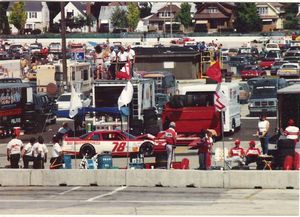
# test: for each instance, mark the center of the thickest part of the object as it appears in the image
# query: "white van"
(232, 114)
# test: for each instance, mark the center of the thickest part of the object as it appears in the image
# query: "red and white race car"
(119, 143)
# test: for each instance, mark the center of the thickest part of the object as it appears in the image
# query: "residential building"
(162, 20)
(77, 9)
(213, 17)
(271, 15)
(38, 16)
(105, 24)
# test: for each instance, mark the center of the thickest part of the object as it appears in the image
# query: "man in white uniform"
(14, 148)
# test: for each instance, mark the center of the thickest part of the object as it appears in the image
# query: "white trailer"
(232, 114)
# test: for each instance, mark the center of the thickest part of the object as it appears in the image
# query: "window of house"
(212, 10)
(263, 10)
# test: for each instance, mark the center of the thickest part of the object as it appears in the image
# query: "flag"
(220, 99)
(214, 72)
(126, 95)
(75, 103)
(124, 73)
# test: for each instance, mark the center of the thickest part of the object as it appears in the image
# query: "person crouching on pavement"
(252, 153)
(204, 150)
(27, 152)
(14, 148)
(56, 160)
(170, 135)
(236, 154)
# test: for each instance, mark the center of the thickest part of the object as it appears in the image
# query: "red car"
(252, 71)
(119, 143)
(181, 40)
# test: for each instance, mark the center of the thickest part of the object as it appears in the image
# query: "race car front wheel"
(146, 149)
(87, 150)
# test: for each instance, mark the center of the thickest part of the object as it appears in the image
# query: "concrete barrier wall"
(150, 178)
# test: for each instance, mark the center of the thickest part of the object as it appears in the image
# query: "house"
(38, 16)
(271, 15)
(213, 17)
(104, 18)
(75, 10)
(162, 20)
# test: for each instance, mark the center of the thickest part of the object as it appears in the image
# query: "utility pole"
(171, 29)
(63, 45)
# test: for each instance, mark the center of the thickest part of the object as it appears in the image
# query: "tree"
(18, 16)
(291, 21)
(246, 18)
(185, 14)
(54, 9)
(119, 18)
(133, 16)
(4, 27)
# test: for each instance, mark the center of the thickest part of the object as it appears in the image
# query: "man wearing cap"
(252, 153)
(236, 154)
(14, 148)
(291, 131)
(170, 135)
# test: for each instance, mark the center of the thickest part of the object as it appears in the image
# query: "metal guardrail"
(147, 34)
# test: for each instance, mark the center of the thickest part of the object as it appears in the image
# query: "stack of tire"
(150, 121)
(285, 154)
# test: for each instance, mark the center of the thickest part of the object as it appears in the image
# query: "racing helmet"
(172, 124)
(252, 143)
(237, 142)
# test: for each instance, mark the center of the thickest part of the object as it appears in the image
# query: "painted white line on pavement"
(109, 201)
(72, 189)
(107, 194)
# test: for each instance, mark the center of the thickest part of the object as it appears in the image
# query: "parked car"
(35, 48)
(181, 40)
(289, 70)
(15, 51)
(276, 65)
(252, 71)
(232, 52)
(272, 46)
(269, 59)
(3, 54)
(249, 51)
(292, 56)
(63, 101)
(245, 92)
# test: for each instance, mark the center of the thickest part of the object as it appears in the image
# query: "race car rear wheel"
(87, 150)
(146, 149)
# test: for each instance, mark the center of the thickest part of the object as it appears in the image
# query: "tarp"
(107, 110)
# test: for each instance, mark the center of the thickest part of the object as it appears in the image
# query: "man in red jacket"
(170, 135)
(236, 154)
(252, 153)
(204, 150)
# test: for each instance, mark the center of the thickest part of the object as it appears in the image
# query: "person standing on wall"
(14, 148)
(131, 56)
(170, 135)
(262, 132)
(27, 152)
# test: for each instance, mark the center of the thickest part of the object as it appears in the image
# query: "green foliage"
(133, 16)
(291, 21)
(119, 18)
(4, 26)
(18, 16)
(185, 14)
(246, 18)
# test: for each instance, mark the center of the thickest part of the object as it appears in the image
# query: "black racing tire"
(146, 149)
(87, 150)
